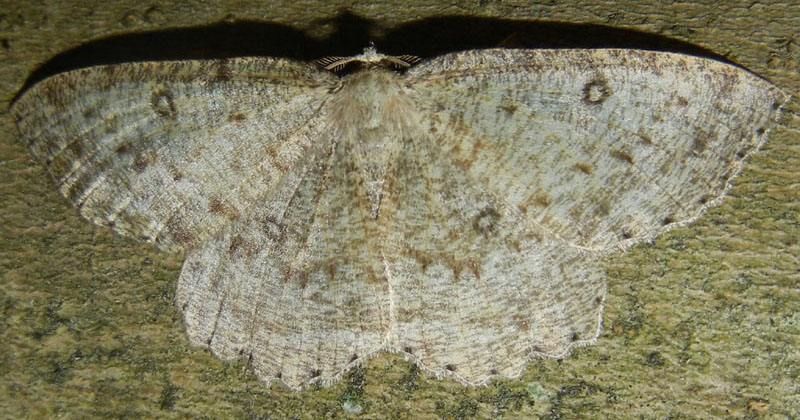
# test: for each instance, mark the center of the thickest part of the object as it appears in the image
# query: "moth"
(455, 210)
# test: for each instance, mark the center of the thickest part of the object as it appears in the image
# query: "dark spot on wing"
(123, 148)
(623, 156)
(53, 93)
(455, 266)
(408, 350)
(602, 208)
(700, 141)
(108, 71)
(241, 248)
(236, 243)
(177, 175)
(541, 200)
(486, 221)
(667, 220)
(59, 166)
(222, 71)
(583, 167)
(521, 322)
(473, 267)
(274, 230)
(179, 232)
(741, 153)
(315, 372)
(217, 206)
(644, 137)
(237, 117)
(700, 145)
(509, 109)
(76, 148)
(422, 258)
(163, 104)
(596, 91)
(89, 113)
(141, 161)
(111, 124)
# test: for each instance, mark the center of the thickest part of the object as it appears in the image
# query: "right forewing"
(602, 148)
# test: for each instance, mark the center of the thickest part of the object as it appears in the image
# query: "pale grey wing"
(297, 285)
(602, 148)
(475, 291)
(171, 151)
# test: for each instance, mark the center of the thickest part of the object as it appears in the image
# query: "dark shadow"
(424, 38)
(436, 36)
(222, 40)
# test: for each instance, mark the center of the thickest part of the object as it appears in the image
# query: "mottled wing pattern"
(172, 151)
(475, 290)
(601, 148)
(455, 213)
(298, 286)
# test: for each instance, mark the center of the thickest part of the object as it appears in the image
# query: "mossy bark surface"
(702, 323)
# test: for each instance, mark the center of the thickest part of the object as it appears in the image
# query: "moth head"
(369, 58)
